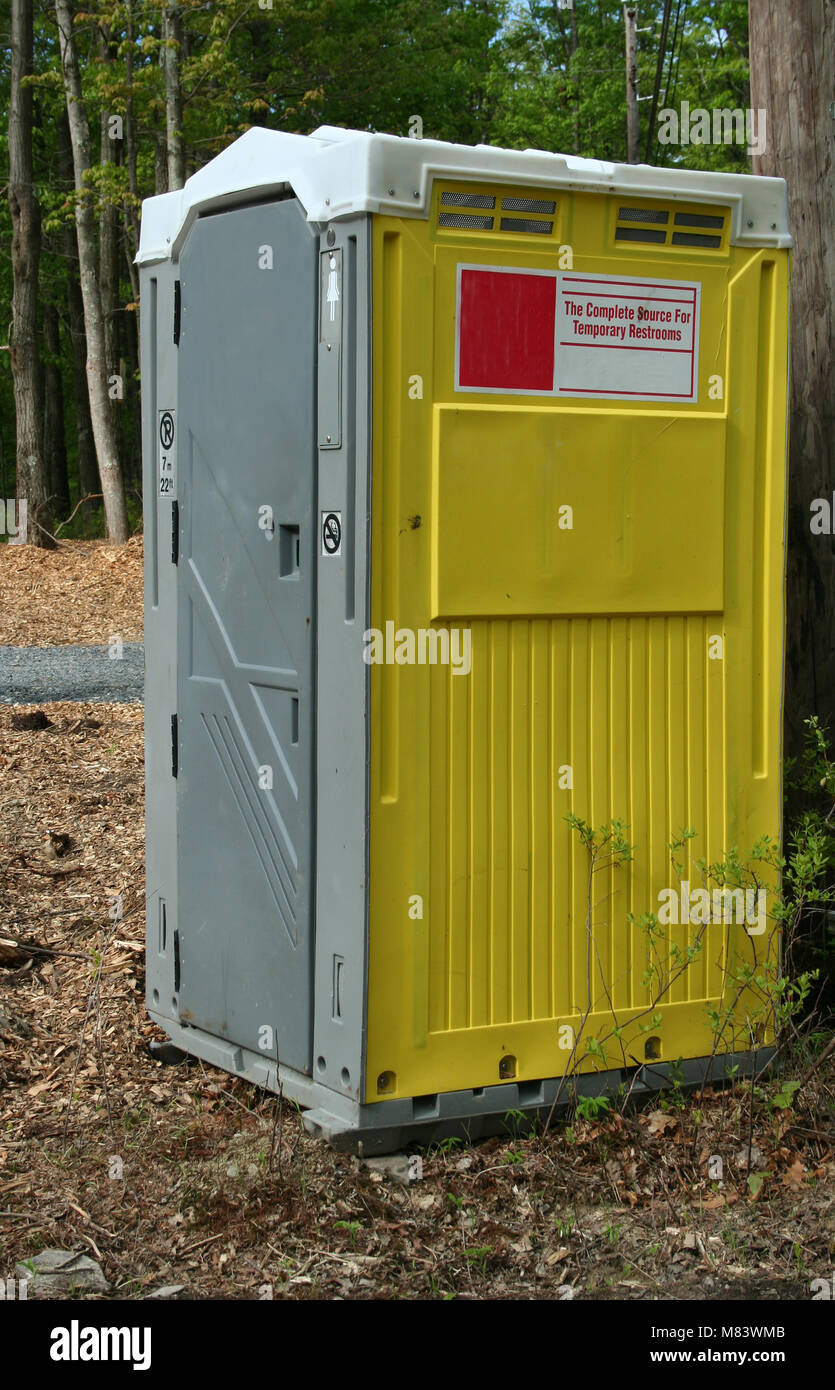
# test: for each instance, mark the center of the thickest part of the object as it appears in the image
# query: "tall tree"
(88, 480)
(55, 442)
(107, 445)
(26, 247)
(132, 203)
(109, 248)
(630, 17)
(793, 79)
(172, 51)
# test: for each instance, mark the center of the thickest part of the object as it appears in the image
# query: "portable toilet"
(464, 475)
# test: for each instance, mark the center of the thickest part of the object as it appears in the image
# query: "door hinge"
(175, 746)
(175, 532)
(176, 962)
(176, 313)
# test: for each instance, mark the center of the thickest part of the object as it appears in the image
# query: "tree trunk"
(109, 263)
(132, 209)
(88, 473)
(26, 248)
(107, 451)
(132, 398)
(172, 48)
(793, 79)
(55, 442)
(632, 127)
(575, 85)
(160, 164)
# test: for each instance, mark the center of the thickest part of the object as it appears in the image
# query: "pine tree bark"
(106, 440)
(26, 247)
(792, 55)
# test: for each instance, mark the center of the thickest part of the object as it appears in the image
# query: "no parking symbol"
(166, 433)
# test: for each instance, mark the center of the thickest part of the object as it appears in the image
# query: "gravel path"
(38, 675)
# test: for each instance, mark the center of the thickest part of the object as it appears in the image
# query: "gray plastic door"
(246, 639)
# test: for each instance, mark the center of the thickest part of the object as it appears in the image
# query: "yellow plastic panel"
(590, 652)
(501, 474)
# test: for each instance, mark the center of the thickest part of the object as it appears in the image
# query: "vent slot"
(643, 215)
(460, 219)
(526, 224)
(662, 227)
(696, 239)
(468, 200)
(336, 989)
(640, 234)
(528, 205)
(489, 212)
(698, 219)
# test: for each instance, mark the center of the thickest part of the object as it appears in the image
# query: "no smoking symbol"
(166, 429)
(331, 533)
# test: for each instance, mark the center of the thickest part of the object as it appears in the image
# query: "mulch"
(83, 591)
(184, 1176)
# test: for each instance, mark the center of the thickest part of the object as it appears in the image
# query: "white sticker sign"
(167, 443)
(627, 338)
(331, 533)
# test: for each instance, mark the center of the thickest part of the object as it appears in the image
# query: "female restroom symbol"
(333, 288)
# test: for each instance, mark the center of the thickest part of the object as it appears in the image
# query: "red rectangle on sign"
(505, 330)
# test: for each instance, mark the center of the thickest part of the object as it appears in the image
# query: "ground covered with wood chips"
(83, 591)
(185, 1179)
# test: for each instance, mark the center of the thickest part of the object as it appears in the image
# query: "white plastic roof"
(335, 173)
